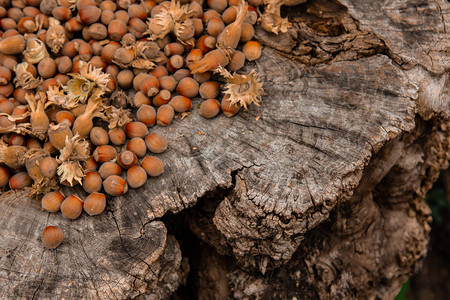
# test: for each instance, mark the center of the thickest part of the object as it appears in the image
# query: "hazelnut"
(153, 166)
(115, 185)
(95, 204)
(137, 146)
(164, 115)
(71, 207)
(92, 182)
(155, 143)
(51, 201)
(136, 176)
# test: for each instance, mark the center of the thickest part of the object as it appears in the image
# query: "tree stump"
(317, 193)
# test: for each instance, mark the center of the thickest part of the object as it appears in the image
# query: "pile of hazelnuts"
(148, 77)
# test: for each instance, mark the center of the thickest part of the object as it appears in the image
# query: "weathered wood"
(326, 176)
(369, 245)
(113, 256)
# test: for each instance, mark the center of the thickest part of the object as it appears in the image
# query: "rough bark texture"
(317, 193)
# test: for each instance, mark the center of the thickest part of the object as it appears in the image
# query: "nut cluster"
(83, 82)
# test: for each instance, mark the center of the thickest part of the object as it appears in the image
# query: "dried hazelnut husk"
(83, 124)
(230, 36)
(211, 61)
(12, 156)
(242, 89)
(55, 36)
(36, 51)
(33, 161)
(74, 152)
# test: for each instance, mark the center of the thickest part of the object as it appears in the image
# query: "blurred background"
(433, 281)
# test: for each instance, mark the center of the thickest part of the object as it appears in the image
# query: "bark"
(317, 193)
